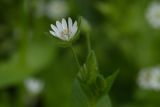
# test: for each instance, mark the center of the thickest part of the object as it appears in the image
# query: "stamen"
(65, 34)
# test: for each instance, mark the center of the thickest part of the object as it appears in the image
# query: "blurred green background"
(121, 35)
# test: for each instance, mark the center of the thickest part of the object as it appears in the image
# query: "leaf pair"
(92, 83)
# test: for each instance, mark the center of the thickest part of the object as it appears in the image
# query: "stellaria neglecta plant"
(93, 85)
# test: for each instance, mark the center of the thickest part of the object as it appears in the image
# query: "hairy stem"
(76, 58)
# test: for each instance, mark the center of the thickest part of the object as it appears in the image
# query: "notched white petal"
(70, 24)
(52, 26)
(53, 33)
(75, 23)
(59, 26)
(74, 28)
(64, 24)
(55, 29)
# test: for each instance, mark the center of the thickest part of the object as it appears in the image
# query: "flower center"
(65, 34)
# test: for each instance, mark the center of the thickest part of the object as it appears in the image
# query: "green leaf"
(104, 102)
(92, 67)
(79, 99)
(92, 62)
(109, 81)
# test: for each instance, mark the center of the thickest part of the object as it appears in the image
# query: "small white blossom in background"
(56, 9)
(63, 30)
(153, 15)
(149, 78)
(34, 86)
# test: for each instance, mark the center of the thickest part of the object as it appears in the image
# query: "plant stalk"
(76, 58)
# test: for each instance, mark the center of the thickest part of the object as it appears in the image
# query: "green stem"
(76, 58)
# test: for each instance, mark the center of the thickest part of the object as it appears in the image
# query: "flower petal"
(74, 28)
(53, 33)
(59, 26)
(64, 24)
(70, 24)
(54, 27)
(55, 30)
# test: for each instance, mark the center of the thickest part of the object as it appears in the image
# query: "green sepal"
(60, 42)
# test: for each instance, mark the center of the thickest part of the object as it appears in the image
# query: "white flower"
(149, 78)
(155, 81)
(63, 30)
(56, 9)
(144, 79)
(33, 86)
(153, 14)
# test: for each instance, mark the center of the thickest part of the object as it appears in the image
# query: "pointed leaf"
(104, 102)
(109, 81)
(92, 67)
(79, 98)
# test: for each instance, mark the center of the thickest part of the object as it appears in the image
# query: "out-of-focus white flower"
(153, 14)
(144, 79)
(155, 82)
(149, 78)
(34, 86)
(57, 8)
(64, 31)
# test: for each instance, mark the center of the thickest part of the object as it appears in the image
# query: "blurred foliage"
(120, 35)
